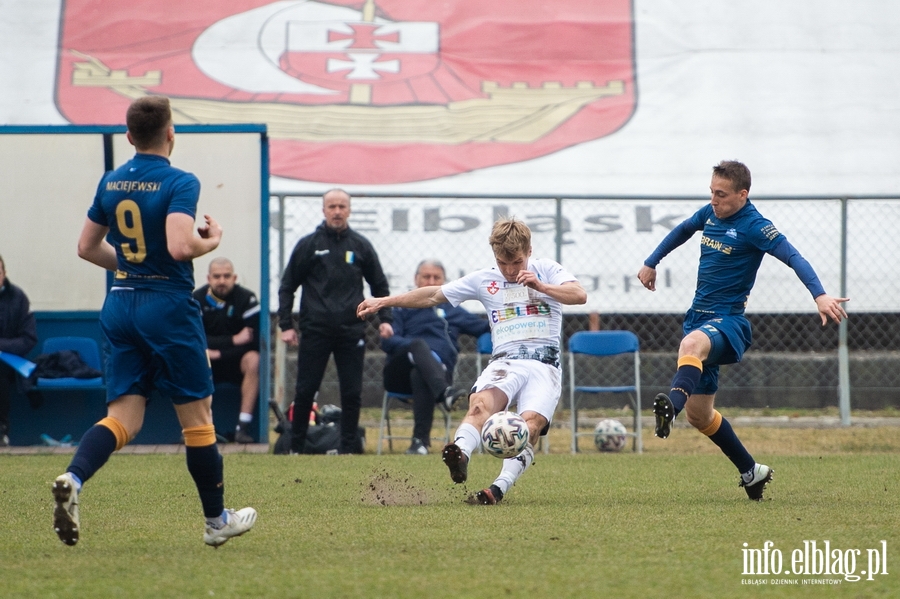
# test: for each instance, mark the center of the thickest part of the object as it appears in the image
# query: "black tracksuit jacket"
(331, 266)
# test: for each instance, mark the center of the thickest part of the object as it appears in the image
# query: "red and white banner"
(362, 91)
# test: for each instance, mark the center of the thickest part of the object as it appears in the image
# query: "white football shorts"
(531, 385)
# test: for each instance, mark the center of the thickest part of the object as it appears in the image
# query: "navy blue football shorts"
(730, 336)
(156, 341)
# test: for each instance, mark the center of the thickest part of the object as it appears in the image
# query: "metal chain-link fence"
(794, 360)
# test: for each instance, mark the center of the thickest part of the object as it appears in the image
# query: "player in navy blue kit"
(141, 227)
(735, 239)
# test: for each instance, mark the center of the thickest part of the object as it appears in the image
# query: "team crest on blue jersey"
(731, 233)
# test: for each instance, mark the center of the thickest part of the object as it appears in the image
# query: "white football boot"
(65, 516)
(238, 522)
(762, 474)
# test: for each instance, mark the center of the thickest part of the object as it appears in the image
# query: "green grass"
(662, 524)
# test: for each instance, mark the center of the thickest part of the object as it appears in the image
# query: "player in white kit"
(523, 298)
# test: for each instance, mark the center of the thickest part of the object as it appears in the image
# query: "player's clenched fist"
(369, 306)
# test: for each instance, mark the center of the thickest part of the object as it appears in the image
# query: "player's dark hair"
(509, 237)
(734, 171)
(148, 121)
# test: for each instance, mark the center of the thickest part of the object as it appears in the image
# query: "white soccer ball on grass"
(504, 435)
(610, 435)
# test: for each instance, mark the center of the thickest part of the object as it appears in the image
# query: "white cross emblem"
(363, 66)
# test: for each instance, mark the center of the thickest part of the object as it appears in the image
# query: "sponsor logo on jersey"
(511, 312)
(715, 244)
(770, 232)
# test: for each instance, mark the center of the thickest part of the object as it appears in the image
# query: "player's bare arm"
(421, 297)
(93, 247)
(647, 277)
(570, 293)
(830, 307)
(183, 244)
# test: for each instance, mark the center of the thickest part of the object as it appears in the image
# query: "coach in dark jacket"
(18, 335)
(411, 367)
(331, 264)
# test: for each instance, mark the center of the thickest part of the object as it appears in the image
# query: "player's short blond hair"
(509, 237)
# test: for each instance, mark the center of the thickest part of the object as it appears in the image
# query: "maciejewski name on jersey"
(133, 185)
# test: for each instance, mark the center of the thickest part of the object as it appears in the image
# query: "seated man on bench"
(231, 321)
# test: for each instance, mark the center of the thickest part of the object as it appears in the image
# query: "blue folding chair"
(404, 399)
(88, 350)
(605, 345)
(485, 347)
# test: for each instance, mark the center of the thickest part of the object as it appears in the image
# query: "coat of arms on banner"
(362, 91)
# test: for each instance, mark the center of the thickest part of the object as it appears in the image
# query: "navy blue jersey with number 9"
(134, 201)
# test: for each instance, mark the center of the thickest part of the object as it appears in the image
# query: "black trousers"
(314, 351)
(423, 377)
(7, 384)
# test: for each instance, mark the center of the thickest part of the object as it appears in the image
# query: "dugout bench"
(72, 412)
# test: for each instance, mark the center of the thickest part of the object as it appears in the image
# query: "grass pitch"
(669, 523)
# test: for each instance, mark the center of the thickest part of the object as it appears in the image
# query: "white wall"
(48, 184)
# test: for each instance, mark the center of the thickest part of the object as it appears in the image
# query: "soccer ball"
(504, 435)
(609, 435)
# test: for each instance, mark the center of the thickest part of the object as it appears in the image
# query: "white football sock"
(467, 438)
(513, 468)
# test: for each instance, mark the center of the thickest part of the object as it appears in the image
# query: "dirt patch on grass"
(391, 489)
